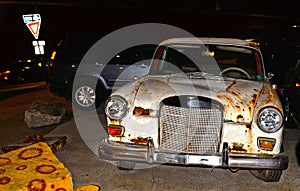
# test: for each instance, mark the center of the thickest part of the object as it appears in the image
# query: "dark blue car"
(128, 65)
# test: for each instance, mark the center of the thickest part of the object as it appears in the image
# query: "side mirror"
(270, 75)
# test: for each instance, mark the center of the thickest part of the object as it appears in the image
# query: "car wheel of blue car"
(85, 96)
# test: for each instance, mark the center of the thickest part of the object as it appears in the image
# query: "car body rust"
(140, 140)
(174, 112)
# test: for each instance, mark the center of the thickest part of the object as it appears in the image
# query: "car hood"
(240, 98)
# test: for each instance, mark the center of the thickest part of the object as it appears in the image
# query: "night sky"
(69, 17)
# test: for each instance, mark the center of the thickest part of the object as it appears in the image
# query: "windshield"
(213, 59)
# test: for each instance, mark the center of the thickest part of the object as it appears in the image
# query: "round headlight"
(116, 107)
(269, 120)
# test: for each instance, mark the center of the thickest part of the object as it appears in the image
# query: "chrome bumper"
(147, 154)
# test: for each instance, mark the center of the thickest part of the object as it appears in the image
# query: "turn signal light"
(266, 143)
(115, 130)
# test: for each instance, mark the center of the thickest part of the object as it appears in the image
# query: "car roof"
(210, 40)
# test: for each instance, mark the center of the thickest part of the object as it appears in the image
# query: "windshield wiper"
(202, 75)
(180, 74)
(195, 74)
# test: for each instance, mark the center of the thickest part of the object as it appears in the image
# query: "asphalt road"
(87, 168)
(10, 90)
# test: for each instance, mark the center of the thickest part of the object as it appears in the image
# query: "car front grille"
(190, 130)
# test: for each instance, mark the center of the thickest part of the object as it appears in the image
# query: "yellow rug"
(33, 168)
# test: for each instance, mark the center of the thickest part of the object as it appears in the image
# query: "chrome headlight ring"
(116, 107)
(270, 119)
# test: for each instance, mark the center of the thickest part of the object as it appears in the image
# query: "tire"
(126, 165)
(87, 96)
(267, 175)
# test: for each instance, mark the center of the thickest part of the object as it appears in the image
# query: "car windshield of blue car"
(197, 61)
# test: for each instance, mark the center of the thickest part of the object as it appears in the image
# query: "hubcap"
(85, 96)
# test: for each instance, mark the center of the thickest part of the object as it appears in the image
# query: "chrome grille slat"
(190, 130)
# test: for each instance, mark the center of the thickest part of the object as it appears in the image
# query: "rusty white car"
(204, 102)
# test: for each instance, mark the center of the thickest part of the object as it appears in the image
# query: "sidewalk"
(12, 125)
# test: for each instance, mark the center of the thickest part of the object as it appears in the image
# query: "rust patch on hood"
(270, 97)
(235, 94)
(240, 118)
(252, 103)
(230, 86)
(229, 90)
(254, 98)
(136, 89)
(240, 99)
(227, 98)
(151, 89)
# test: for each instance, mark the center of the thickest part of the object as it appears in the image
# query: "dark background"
(214, 18)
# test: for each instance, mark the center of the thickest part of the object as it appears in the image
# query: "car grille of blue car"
(190, 130)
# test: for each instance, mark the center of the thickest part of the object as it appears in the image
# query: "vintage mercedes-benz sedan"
(204, 102)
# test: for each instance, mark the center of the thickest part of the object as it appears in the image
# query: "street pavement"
(87, 168)
(9, 90)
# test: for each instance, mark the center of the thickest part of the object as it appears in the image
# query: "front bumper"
(147, 154)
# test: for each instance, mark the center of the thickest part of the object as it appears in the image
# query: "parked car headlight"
(269, 120)
(116, 107)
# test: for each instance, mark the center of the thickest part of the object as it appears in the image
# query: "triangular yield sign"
(34, 28)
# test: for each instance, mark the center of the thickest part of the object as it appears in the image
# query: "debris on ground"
(41, 113)
(55, 143)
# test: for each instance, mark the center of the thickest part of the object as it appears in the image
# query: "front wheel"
(267, 175)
